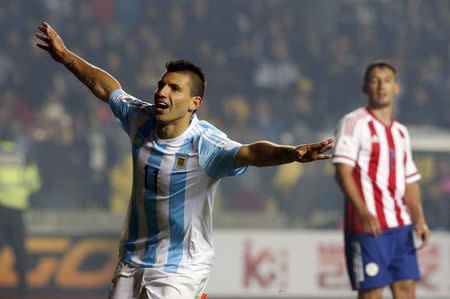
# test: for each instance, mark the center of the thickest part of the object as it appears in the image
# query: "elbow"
(242, 157)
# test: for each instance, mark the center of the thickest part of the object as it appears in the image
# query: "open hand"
(313, 151)
(53, 44)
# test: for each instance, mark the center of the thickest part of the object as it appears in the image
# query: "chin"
(384, 104)
(381, 104)
(160, 118)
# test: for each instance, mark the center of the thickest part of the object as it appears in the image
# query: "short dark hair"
(197, 77)
(378, 64)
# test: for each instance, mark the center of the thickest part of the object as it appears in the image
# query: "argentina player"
(166, 248)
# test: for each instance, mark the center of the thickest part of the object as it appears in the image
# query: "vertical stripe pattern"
(382, 166)
(176, 208)
(392, 185)
(373, 169)
(134, 218)
(150, 204)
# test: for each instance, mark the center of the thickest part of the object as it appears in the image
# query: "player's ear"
(196, 102)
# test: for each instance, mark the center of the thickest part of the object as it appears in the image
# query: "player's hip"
(134, 282)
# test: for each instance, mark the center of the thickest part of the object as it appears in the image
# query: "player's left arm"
(414, 204)
(265, 153)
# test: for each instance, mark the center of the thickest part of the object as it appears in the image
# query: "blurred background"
(284, 71)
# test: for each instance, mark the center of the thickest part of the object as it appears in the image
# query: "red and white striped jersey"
(382, 166)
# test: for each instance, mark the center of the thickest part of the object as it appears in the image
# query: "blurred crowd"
(278, 70)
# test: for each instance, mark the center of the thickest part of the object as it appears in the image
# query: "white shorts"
(149, 283)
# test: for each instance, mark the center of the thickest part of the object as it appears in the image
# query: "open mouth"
(162, 105)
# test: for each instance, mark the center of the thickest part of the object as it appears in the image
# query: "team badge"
(180, 161)
(372, 269)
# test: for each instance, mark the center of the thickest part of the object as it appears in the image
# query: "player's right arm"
(100, 83)
(265, 153)
(345, 180)
(345, 154)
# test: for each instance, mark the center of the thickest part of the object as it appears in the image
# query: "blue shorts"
(375, 262)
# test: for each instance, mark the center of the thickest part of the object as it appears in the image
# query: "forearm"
(99, 82)
(413, 202)
(264, 153)
(347, 184)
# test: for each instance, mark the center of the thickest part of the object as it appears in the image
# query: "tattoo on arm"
(87, 80)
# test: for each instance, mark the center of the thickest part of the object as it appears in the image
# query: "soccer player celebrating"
(377, 174)
(166, 246)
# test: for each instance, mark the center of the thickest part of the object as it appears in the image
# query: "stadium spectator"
(19, 178)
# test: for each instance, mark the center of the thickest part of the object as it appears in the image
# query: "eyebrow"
(174, 85)
(388, 76)
(171, 84)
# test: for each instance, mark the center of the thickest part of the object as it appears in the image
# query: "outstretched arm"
(97, 80)
(264, 153)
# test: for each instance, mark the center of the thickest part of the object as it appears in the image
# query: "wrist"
(420, 222)
(66, 57)
(292, 154)
(363, 211)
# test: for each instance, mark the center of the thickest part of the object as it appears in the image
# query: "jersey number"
(155, 178)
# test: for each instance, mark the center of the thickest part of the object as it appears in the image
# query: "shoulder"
(357, 114)
(351, 121)
(207, 130)
(120, 96)
(402, 129)
(204, 125)
(209, 138)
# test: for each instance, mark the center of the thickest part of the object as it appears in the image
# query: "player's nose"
(162, 92)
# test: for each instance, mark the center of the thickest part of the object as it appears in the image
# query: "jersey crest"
(180, 161)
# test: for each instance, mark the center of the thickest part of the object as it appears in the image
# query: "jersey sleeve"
(411, 172)
(217, 154)
(125, 108)
(347, 144)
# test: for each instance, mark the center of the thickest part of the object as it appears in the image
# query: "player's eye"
(175, 87)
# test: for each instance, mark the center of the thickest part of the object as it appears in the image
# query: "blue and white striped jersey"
(169, 220)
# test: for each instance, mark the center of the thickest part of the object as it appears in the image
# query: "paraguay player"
(377, 175)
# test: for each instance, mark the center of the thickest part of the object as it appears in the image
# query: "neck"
(171, 130)
(383, 114)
